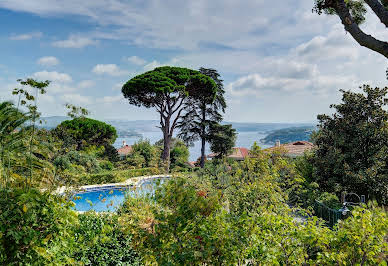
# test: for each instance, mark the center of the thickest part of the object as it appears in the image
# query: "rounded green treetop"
(85, 131)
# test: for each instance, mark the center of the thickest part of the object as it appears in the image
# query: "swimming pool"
(109, 198)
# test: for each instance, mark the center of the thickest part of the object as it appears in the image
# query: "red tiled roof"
(296, 148)
(238, 153)
(191, 164)
(125, 150)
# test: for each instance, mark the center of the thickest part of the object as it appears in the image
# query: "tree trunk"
(166, 149)
(202, 163)
(203, 134)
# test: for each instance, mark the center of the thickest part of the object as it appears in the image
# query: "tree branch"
(179, 106)
(380, 11)
(362, 38)
(175, 121)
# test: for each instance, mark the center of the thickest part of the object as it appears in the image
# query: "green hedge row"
(117, 176)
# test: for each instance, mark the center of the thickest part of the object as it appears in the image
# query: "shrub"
(111, 153)
(361, 239)
(89, 162)
(101, 242)
(35, 228)
(149, 152)
(179, 154)
(106, 165)
(135, 159)
(116, 176)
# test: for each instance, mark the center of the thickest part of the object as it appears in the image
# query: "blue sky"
(280, 62)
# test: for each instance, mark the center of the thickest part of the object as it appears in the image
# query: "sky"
(279, 61)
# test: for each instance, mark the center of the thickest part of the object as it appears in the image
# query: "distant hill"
(289, 134)
(52, 121)
(264, 127)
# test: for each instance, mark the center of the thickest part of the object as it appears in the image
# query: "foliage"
(177, 228)
(146, 150)
(76, 111)
(201, 111)
(115, 176)
(359, 240)
(72, 158)
(106, 165)
(223, 138)
(101, 242)
(111, 153)
(135, 159)
(179, 154)
(352, 147)
(196, 221)
(35, 228)
(166, 89)
(85, 131)
(30, 101)
(11, 138)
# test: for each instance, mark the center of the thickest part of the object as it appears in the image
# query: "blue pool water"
(103, 199)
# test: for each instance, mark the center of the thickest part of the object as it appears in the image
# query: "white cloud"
(26, 36)
(152, 65)
(108, 69)
(186, 25)
(86, 84)
(332, 46)
(48, 61)
(111, 99)
(53, 76)
(118, 86)
(76, 99)
(136, 60)
(75, 41)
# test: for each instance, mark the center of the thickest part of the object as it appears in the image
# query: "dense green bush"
(101, 242)
(149, 152)
(116, 176)
(179, 155)
(106, 165)
(89, 162)
(135, 159)
(111, 153)
(84, 132)
(35, 228)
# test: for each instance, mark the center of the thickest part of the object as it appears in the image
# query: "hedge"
(117, 176)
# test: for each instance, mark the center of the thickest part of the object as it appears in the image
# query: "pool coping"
(129, 182)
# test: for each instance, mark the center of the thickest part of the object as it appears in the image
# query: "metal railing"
(331, 216)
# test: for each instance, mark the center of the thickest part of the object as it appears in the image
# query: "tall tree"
(352, 145)
(223, 139)
(352, 14)
(201, 113)
(166, 89)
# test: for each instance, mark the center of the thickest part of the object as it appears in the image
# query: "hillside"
(290, 134)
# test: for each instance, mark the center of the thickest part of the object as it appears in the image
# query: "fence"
(331, 216)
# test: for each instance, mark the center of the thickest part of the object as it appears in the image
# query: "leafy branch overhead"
(353, 13)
